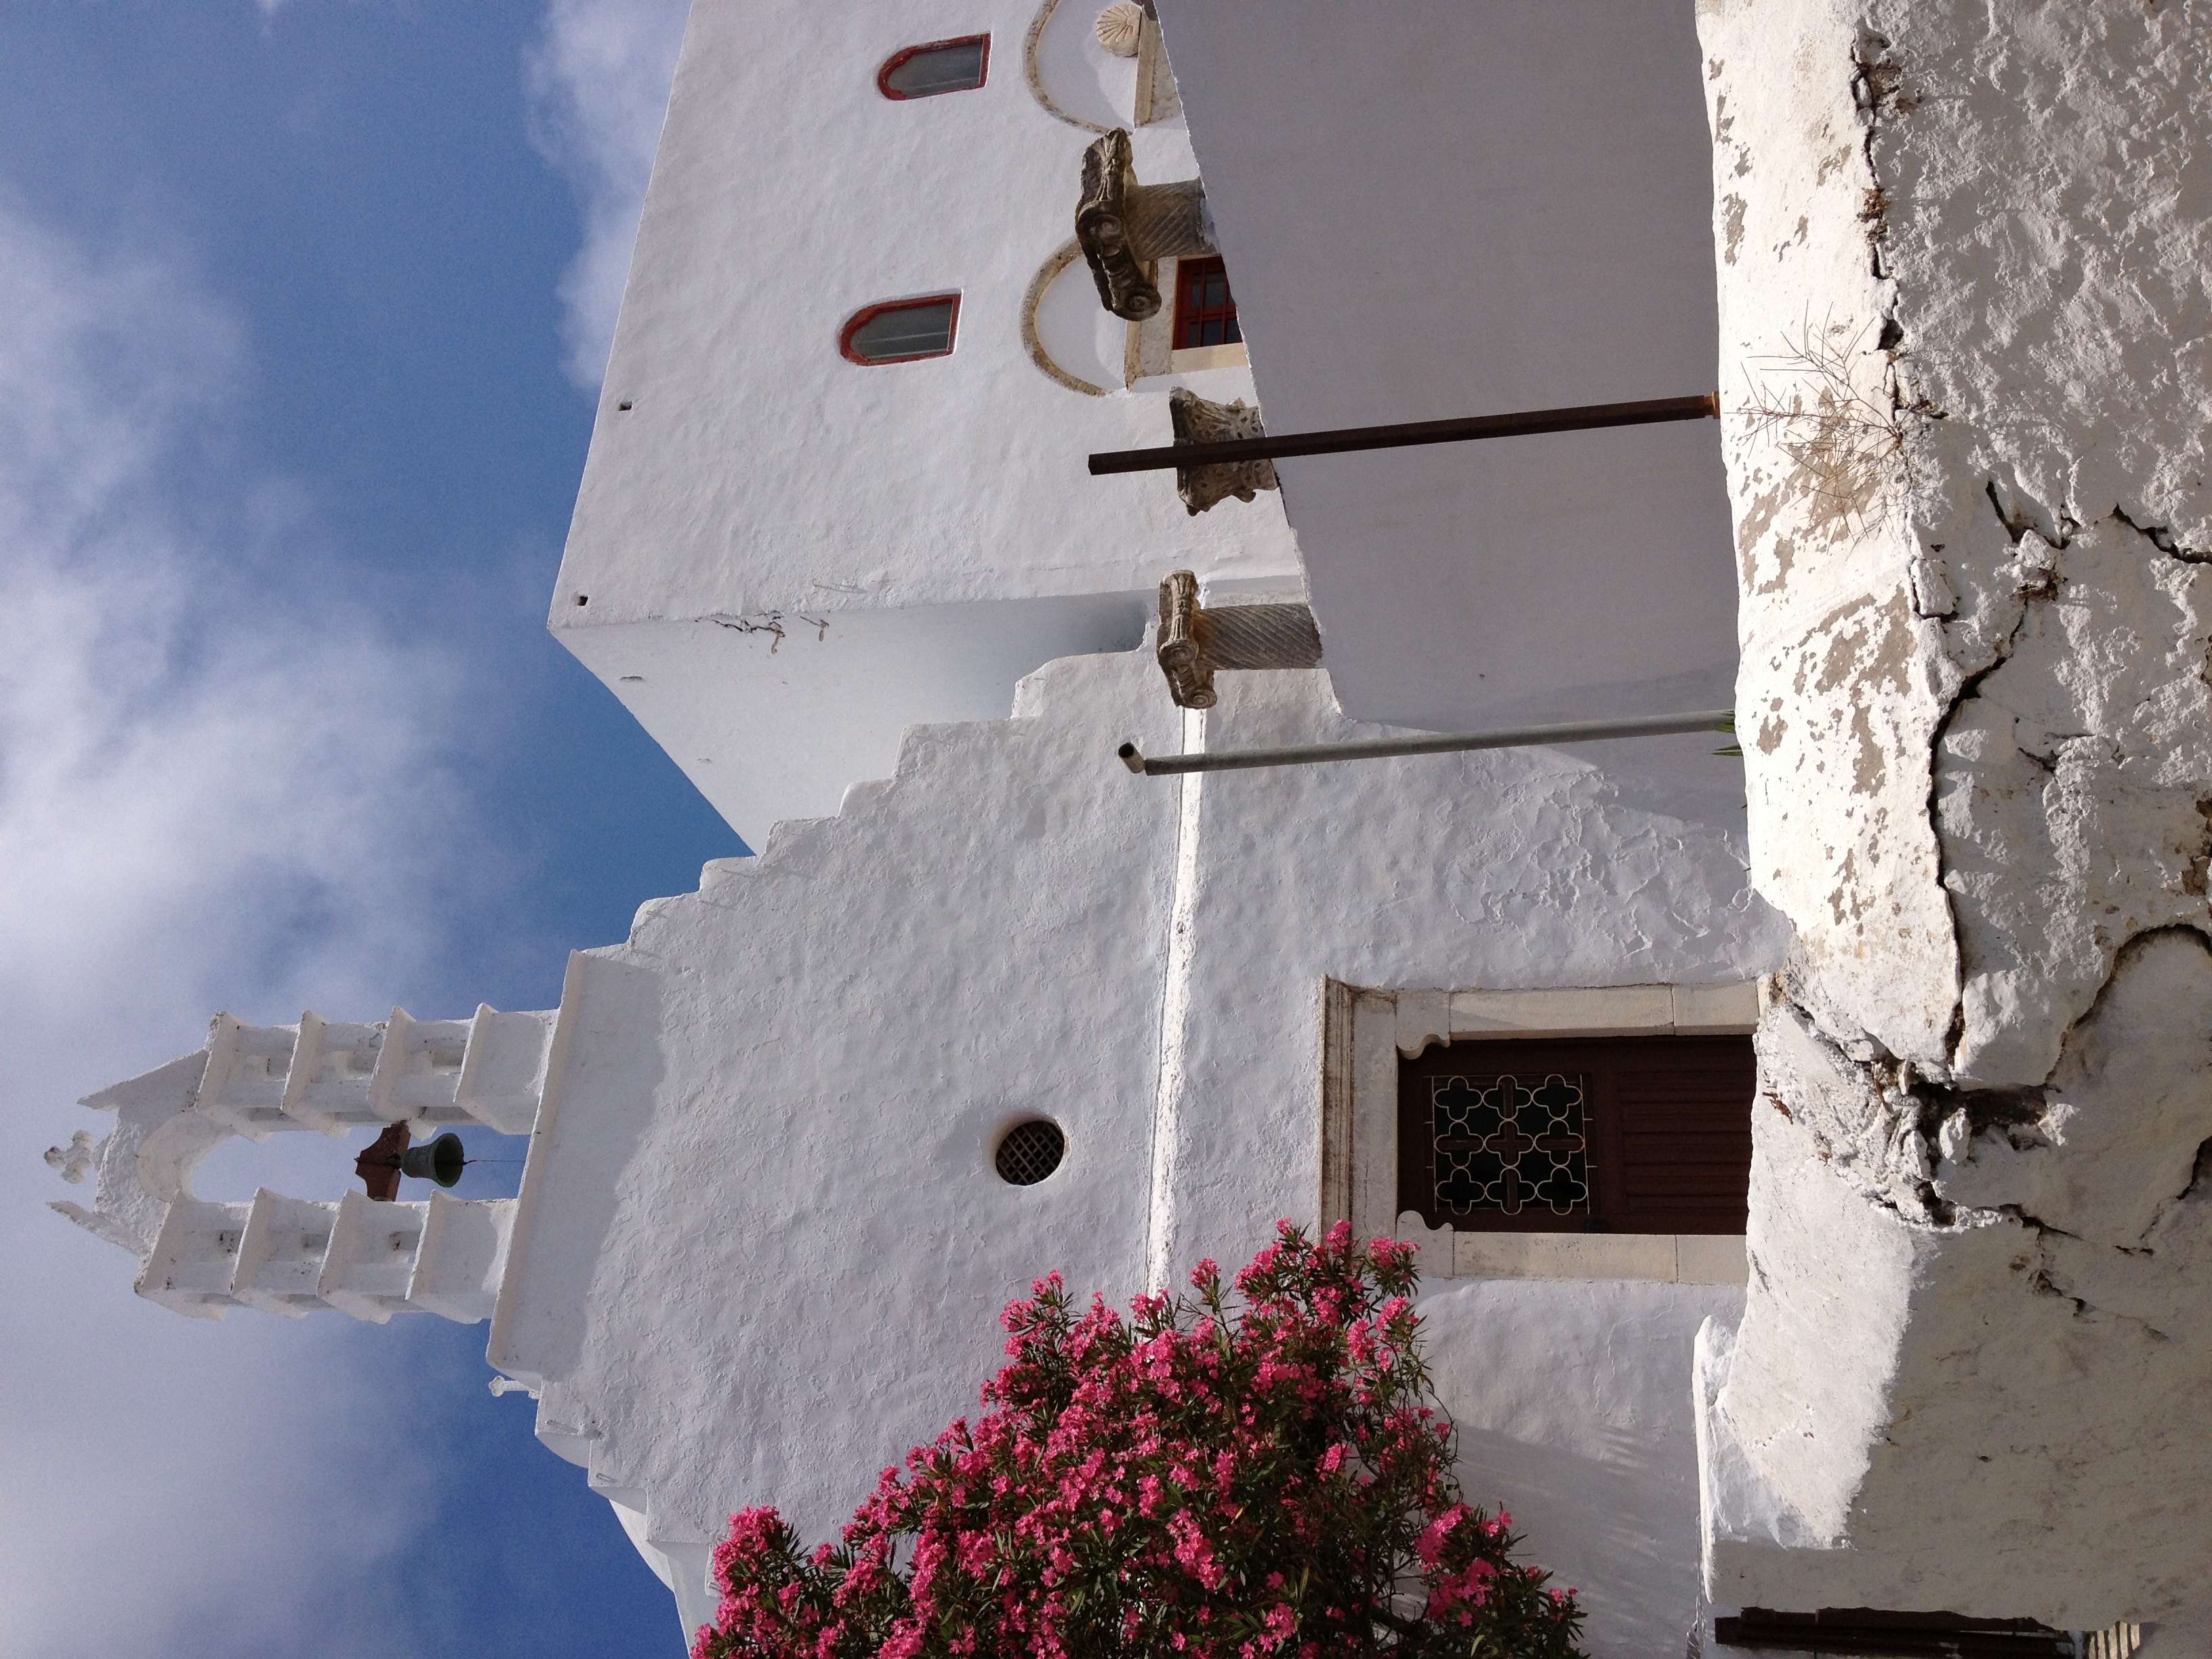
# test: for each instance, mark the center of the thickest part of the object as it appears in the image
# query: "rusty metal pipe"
(1588, 417)
(1441, 743)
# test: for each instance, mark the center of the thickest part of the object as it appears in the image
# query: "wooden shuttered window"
(1597, 1135)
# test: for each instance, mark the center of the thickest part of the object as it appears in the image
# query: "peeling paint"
(1983, 793)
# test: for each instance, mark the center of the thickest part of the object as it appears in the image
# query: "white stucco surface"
(1961, 318)
(1573, 1409)
(1961, 254)
(762, 1245)
(1506, 870)
(785, 558)
(1431, 209)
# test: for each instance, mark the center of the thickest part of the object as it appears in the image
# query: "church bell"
(440, 1161)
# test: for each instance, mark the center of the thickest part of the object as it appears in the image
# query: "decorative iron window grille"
(1030, 1151)
(1206, 311)
(936, 66)
(902, 330)
(1604, 1135)
(1505, 1144)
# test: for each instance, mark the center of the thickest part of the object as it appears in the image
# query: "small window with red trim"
(1205, 311)
(902, 330)
(937, 66)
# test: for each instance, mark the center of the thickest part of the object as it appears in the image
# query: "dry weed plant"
(1845, 441)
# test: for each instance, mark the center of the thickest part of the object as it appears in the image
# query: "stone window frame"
(1365, 1031)
(1158, 97)
(1151, 351)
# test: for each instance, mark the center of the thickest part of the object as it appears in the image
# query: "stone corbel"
(1124, 227)
(1200, 422)
(1195, 642)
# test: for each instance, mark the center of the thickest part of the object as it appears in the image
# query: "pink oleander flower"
(1241, 1479)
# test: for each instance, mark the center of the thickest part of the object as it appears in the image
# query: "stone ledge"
(1609, 1011)
(1663, 1258)
(1651, 1258)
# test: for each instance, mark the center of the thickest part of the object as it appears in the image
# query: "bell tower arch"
(369, 1256)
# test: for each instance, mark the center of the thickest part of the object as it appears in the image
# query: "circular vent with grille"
(1031, 1151)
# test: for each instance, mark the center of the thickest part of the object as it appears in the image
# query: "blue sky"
(301, 309)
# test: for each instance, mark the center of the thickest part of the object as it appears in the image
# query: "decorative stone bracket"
(1195, 642)
(1124, 227)
(1198, 421)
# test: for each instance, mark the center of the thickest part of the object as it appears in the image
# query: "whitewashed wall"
(1573, 1412)
(1962, 251)
(933, 519)
(761, 1245)
(1434, 209)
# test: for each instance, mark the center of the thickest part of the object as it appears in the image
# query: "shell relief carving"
(1119, 28)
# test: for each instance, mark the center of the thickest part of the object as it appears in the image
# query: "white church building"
(1807, 1196)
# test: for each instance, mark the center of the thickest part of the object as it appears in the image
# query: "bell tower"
(369, 1257)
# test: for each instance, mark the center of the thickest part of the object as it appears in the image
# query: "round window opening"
(1031, 1151)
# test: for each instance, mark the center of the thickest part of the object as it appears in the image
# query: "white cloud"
(598, 84)
(217, 788)
(222, 784)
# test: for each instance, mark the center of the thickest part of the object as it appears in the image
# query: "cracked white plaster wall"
(2005, 1414)
(1837, 782)
(1965, 327)
(2072, 788)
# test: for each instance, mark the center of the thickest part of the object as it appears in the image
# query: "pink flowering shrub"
(1201, 1479)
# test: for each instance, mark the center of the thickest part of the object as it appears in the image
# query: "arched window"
(924, 71)
(902, 330)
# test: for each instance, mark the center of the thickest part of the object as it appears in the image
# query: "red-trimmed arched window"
(936, 66)
(902, 330)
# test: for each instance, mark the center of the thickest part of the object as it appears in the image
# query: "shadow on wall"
(1082, 336)
(1614, 1527)
(1088, 83)
(1572, 1402)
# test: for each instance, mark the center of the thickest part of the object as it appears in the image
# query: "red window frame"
(866, 314)
(906, 54)
(1191, 315)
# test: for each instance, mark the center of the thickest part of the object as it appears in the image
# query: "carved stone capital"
(1124, 227)
(1190, 681)
(1198, 421)
(1195, 642)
